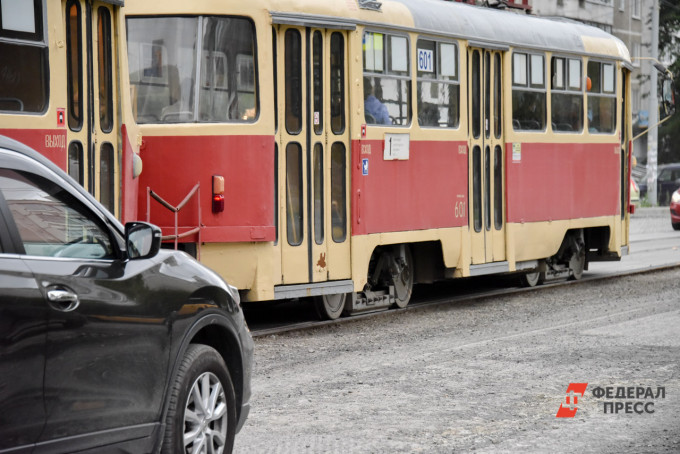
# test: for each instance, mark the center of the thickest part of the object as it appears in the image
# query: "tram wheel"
(402, 280)
(330, 307)
(577, 264)
(532, 278)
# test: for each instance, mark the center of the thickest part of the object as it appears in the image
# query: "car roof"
(22, 149)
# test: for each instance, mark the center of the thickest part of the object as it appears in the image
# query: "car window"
(50, 221)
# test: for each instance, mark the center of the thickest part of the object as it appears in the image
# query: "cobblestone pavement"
(482, 376)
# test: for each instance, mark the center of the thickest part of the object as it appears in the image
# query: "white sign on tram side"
(396, 147)
(425, 60)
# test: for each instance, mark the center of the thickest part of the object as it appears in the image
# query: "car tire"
(201, 374)
(676, 226)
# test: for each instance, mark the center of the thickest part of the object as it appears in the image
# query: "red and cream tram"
(348, 149)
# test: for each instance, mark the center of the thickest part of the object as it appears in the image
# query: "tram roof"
(481, 26)
(497, 27)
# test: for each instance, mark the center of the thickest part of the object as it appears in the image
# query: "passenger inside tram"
(374, 110)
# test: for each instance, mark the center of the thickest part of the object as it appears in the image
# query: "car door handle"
(62, 300)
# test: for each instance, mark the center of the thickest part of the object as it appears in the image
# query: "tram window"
(337, 83)
(566, 95)
(74, 58)
(487, 95)
(106, 176)
(487, 187)
(275, 71)
(438, 87)
(477, 188)
(161, 56)
(476, 94)
(537, 68)
(519, 69)
(24, 86)
(21, 19)
(294, 215)
(386, 87)
(338, 191)
(601, 97)
(276, 192)
(317, 77)
(75, 161)
(498, 187)
(498, 97)
(318, 193)
(105, 69)
(528, 92)
(293, 80)
(228, 87)
(165, 76)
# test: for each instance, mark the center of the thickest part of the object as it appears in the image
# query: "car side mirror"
(142, 240)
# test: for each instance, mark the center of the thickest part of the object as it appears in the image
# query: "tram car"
(348, 149)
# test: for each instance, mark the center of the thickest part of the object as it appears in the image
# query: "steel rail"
(440, 301)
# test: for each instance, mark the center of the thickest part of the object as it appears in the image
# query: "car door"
(107, 341)
(23, 324)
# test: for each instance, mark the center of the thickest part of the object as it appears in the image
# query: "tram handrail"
(196, 190)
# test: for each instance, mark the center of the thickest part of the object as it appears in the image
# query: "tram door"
(625, 158)
(314, 155)
(486, 165)
(92, 117)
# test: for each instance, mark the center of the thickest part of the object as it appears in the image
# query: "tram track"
(428, 301)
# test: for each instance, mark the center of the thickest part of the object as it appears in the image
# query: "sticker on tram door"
(61, 117)
(364, 166)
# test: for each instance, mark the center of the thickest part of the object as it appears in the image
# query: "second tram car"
(346, 150)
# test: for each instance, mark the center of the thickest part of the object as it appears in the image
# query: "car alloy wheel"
(205, 416)
(201, 415)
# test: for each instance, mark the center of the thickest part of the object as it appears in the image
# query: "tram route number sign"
(425, 63)
(396, 147)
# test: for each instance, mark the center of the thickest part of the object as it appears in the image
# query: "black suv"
(107, 343)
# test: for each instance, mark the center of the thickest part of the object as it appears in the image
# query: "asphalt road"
(487, 375)
(653, 242)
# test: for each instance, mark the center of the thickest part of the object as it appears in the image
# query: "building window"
(636, 9)
(636, 51)
(635, 95)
